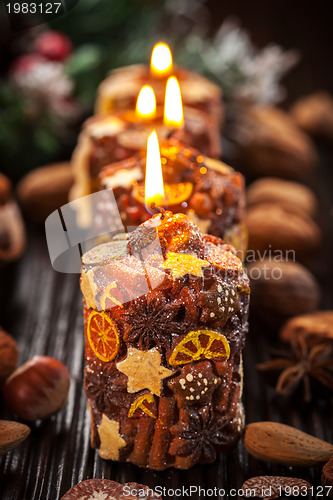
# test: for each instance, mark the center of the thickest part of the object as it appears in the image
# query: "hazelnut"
(8, 355)
(38, 388)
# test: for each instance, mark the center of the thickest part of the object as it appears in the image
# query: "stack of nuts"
(282, 230)
(36, 390)
(283, 235)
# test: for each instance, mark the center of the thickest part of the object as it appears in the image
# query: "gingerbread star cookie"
(111, 440)
(144, 370)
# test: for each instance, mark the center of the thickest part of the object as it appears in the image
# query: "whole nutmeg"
(274, 227)
(44, 190)
(107, 489)
(280, 290)
(8, 355)
(38, 388)
(291, 195)
(314, 327)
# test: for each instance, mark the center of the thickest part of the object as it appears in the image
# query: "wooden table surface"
(42, 309)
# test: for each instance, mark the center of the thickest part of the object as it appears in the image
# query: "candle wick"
(157, 209)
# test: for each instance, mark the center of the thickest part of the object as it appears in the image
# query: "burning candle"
(161, 60)
(173, 106)
(165, 313)
(120, 89)
(154, 187)
(146, 103)
(208, 191)
(157, 194)
(108, 139)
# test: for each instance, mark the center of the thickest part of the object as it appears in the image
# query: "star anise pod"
(106, 385)
(200, 435)
(151, 320)
(302, 365)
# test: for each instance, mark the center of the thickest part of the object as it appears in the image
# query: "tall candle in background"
(122, 134)
(120, 89)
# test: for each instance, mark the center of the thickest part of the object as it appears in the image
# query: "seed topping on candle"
(216, 303)
(187, 388)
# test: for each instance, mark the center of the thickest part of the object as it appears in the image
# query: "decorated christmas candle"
(122, 134)
(208, 191)
(165, 313)
(120, 89)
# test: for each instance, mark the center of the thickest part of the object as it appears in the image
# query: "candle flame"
(161, 60)
(146, 103)
(154, 187)
(173, 107)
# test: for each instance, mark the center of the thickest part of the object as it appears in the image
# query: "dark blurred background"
(105, 34)
(306, 26)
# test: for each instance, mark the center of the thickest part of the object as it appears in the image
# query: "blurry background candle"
(173, 107)
(121, 88)
(122, 134)
(161, 60)
(146, 103)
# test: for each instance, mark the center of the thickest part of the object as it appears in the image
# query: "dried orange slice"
(139, 403)
(200, 344)
(111, 297)
(105, 253)
(174, 194)
(103, 336)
